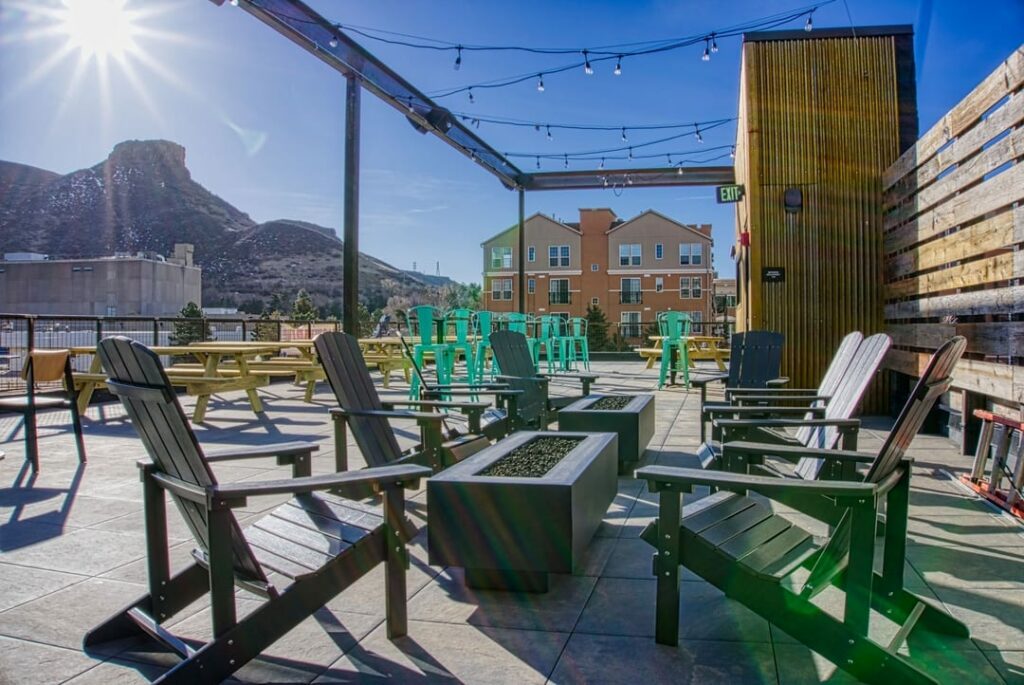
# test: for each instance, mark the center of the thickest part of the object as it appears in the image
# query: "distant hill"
(142, 198)
(436, 281)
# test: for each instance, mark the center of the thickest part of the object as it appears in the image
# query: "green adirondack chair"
(771, 565)
(423, 321)
(460, 324)
(674, 329)
(317, 544)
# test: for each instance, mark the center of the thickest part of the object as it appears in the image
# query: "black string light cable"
(476, 119)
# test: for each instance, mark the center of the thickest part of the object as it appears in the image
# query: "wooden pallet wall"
(954, 240)
(825, 112)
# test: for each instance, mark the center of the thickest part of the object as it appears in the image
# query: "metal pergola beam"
(635, 178)
(312, 32)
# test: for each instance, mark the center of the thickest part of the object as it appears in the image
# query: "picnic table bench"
(700, 347)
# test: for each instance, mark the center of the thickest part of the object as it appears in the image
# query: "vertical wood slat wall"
(826, 115)
(954, 240)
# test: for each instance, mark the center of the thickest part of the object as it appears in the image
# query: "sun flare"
(99, 28)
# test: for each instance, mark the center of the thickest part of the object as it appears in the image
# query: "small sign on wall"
(773, 274)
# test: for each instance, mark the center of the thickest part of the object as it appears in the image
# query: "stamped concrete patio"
(72, 552)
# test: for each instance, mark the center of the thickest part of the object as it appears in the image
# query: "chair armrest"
(284, 451)
(385, 414)
(535, 379)
(793, 452)
(734, 411)
(776, 391)
(381, 478)
(786, 423)
(435, 403)
(682, 480)
(468, 386)
(573, 376)
(775, 382)
(469, 393)
(704, 379)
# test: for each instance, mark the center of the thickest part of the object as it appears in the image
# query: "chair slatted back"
(672, 326)
(845, 401)
(841, 361)
(761, 359)
(136, 376)
(459, 322)
(422, 321)
(353, 388)
(735, 359)
(513, 355)
(935, 380)
(517, 322)
(483, 325)
(578, 327)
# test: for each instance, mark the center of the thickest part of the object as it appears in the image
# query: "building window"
(531, 254)
(594, 302)
(696, 254)
(659, 251)
(659, 284)
(558, 291)
(684, 287)
(629, 255)
(594, 267)
(629, 291)
(684, 254)
(501, 257)
(531, 285)
(629, 325)
(558, 255)
(696, 317)
(695, 287)
(501, 289)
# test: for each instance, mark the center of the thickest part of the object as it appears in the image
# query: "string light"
(732, 152)
(458, 58)
(601, 165)
(669, 158)
(631, 154)
(604, 180)
(412, 110)
(540, 83)
(471, 98)
(618, 66)
(538, 162)
(549, 133)
(624, 135)
(714, 44)
(809, 26)
(587, 69)
(234, 3)
(333, 42)
(697, 135)
(706, 57)
(566, 161)
(679, 171)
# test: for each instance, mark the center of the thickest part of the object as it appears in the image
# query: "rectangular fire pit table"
(633, 422)
(508, 531)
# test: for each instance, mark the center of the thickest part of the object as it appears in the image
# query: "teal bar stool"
(423, 321)
(579, 348)
(674, 328)
(483, 324)
(459, 323)
(525, 324)
(552, 337)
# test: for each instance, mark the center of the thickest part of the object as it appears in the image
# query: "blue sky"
(263, 122)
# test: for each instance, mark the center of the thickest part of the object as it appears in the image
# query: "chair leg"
(76, 422)
(31, 441)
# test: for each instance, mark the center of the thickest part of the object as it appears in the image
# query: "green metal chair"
(552, 337)
(423, 320)
(577, 341)
(483, 324)
(674, 328)
(460, 322)
(525, 324)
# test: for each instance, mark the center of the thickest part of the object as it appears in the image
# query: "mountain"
(143, 198)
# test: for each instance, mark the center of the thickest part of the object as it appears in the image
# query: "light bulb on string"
(697, 135)
(604, 180)
(669, 158)
(679, 171)
(538, 162)
(629, 180)
(618, 66)
(566, 161)
(601, 165)
(458, 58)
(706, 57)
(471, 98)
(333, 42)
(587, 69)
(412, 110)
(714, 44)
(536, 127)
(732, 152)
(624, 135)
(630, 154)
(809, 26)
(234, 3)
(549, 133)
(540, 83)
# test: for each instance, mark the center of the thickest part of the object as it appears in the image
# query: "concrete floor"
(72, 552)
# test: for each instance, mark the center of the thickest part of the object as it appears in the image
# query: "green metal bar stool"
(578, 344)
(423, 321)
(460, 323)
(674, 328)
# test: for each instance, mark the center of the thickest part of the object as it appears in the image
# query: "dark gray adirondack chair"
(755, 358)
(535, 408)
(752, 554)
(319, 543)
(362, 411)
(821, 427)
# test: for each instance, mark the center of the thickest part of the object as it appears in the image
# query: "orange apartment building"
(632, 269)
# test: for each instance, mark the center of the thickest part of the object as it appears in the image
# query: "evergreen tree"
(267, 328)
(194, 329)
(597, 328)
(303, 309)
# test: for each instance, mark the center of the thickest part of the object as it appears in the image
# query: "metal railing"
(559, 298)
(631, 297)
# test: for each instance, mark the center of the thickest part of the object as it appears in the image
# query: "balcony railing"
(559, 298)
(630, 297)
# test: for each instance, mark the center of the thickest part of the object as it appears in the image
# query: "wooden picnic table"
(699, 347)
(387, 354)
(202, 382)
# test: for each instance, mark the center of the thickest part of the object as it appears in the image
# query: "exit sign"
(732, 193)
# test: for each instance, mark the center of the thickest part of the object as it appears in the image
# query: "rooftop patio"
(73, 553)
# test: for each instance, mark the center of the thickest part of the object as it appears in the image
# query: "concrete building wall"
(98, 287)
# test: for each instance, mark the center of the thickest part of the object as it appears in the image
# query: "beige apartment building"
(632, 269)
